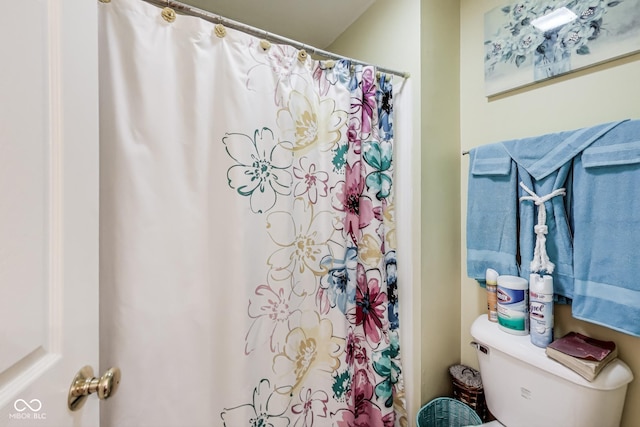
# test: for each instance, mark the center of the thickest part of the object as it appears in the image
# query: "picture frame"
(534, 40)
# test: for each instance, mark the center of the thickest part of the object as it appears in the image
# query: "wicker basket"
(446, 412)
(467, 388)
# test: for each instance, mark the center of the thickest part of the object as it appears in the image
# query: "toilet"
(523, 387)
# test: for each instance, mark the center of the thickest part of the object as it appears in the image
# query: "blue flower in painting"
(341, 279)
(516, 39)
(391, 269)
(261, 169)
(385, 108)
(378, 154)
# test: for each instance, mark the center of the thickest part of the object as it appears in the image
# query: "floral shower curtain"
(248, 242)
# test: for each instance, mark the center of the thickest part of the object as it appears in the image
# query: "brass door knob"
(84, 384)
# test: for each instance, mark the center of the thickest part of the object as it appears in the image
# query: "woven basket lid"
(466, 375)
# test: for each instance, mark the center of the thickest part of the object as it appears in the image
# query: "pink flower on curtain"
(362, 411)
(279, 61)
(327, 74)
(348, 198)
(371, 304)
(311, 180)
(312, 404)
(355, 141)
(356, 350)
(272, 310)
(367, 104)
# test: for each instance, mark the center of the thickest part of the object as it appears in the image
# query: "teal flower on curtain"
(341, 385)
(386, 363)
(267, 409)
(261, 169)
(379, 155)
(339, 159)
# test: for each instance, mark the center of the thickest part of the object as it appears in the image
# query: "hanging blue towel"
(491, 218)
(593, 231)
(544, 165)
(606, 222)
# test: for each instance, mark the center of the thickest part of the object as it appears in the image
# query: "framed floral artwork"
(531, 41)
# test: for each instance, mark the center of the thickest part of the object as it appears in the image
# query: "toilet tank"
(524, 387)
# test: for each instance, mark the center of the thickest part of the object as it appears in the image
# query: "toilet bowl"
(524, 387)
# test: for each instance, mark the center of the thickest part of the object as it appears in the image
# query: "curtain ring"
(264, 44)
(220, 30)
(302, 55)
(168, 14)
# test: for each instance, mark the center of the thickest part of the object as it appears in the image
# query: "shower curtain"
(248, 241)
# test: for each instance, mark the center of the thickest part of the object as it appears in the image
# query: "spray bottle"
(541, 309)
(491, 277)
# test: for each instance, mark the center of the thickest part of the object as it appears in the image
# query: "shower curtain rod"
(217, 19)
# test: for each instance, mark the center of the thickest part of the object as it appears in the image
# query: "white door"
(48, 209)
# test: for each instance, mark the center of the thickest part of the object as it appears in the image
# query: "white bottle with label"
(513, 304)
(541, 309)
(492, 298)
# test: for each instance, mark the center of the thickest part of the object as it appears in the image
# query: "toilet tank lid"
(616, 374)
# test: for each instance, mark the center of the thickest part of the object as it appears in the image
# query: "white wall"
(596, 95)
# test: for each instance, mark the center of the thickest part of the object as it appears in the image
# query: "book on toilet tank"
(585, 355)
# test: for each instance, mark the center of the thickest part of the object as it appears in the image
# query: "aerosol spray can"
(491, 277)
(541, 309)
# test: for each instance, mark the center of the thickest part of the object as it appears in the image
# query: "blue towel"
(544, 165)
(491, 213)
(594, 231)
(606, 223)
